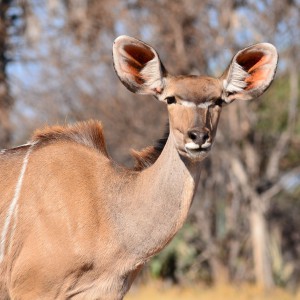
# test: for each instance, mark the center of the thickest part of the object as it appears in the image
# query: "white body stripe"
(18, 147)
(13, 229)
(13, 207)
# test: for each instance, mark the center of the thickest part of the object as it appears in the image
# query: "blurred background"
(244, 225)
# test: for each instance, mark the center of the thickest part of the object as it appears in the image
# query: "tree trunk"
(5, 99)
(260, 243)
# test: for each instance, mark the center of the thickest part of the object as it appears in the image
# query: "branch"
(282, 182)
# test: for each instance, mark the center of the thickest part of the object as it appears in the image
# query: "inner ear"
(134, 60)
(253, 64)
(139, 54)
(138, 66)
(250, 72)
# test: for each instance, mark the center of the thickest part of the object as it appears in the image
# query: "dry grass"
(156, 291)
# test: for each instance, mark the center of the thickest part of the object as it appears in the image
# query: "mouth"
(197, 150)
(196, 147)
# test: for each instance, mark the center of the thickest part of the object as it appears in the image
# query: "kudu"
(76, 225)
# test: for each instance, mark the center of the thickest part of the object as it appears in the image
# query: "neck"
(157, 202)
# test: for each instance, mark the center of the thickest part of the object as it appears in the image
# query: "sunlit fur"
(77, 225)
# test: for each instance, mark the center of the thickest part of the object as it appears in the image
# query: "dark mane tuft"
(88, 133)
(147, 156)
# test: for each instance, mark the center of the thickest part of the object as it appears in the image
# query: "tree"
(5, 97)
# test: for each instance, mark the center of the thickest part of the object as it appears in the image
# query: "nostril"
(198, 137)
(205, 137)
(193, 135)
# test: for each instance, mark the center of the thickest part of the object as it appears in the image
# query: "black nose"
(197, 136)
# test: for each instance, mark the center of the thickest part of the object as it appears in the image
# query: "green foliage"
(273, 109)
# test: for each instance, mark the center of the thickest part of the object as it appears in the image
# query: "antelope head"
(194, 102)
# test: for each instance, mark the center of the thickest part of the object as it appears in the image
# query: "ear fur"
(138, 66)
(250, 73)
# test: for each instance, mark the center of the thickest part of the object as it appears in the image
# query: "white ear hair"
(236, 81)
(152, 75)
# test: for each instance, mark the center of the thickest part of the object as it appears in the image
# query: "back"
(51, 212)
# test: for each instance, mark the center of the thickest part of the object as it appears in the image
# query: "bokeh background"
(244, 225)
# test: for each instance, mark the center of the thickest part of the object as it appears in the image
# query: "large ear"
(250, 73)
(138, 66)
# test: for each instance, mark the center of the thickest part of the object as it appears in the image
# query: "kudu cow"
(76, 225)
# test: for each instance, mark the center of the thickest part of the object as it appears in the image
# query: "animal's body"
(76, 225)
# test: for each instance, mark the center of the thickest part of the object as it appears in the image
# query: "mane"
(147, 156)
(89, 134)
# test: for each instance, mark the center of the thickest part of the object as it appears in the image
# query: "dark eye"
(219, 102)
(171, 100)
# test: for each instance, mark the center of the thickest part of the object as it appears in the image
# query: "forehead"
(196, 89)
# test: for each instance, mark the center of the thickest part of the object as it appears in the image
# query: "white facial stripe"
(188, 103)
(192, 146)
(205, 104)
(13, 205)
(192, 104)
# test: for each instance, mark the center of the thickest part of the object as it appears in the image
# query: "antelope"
(76, 225)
